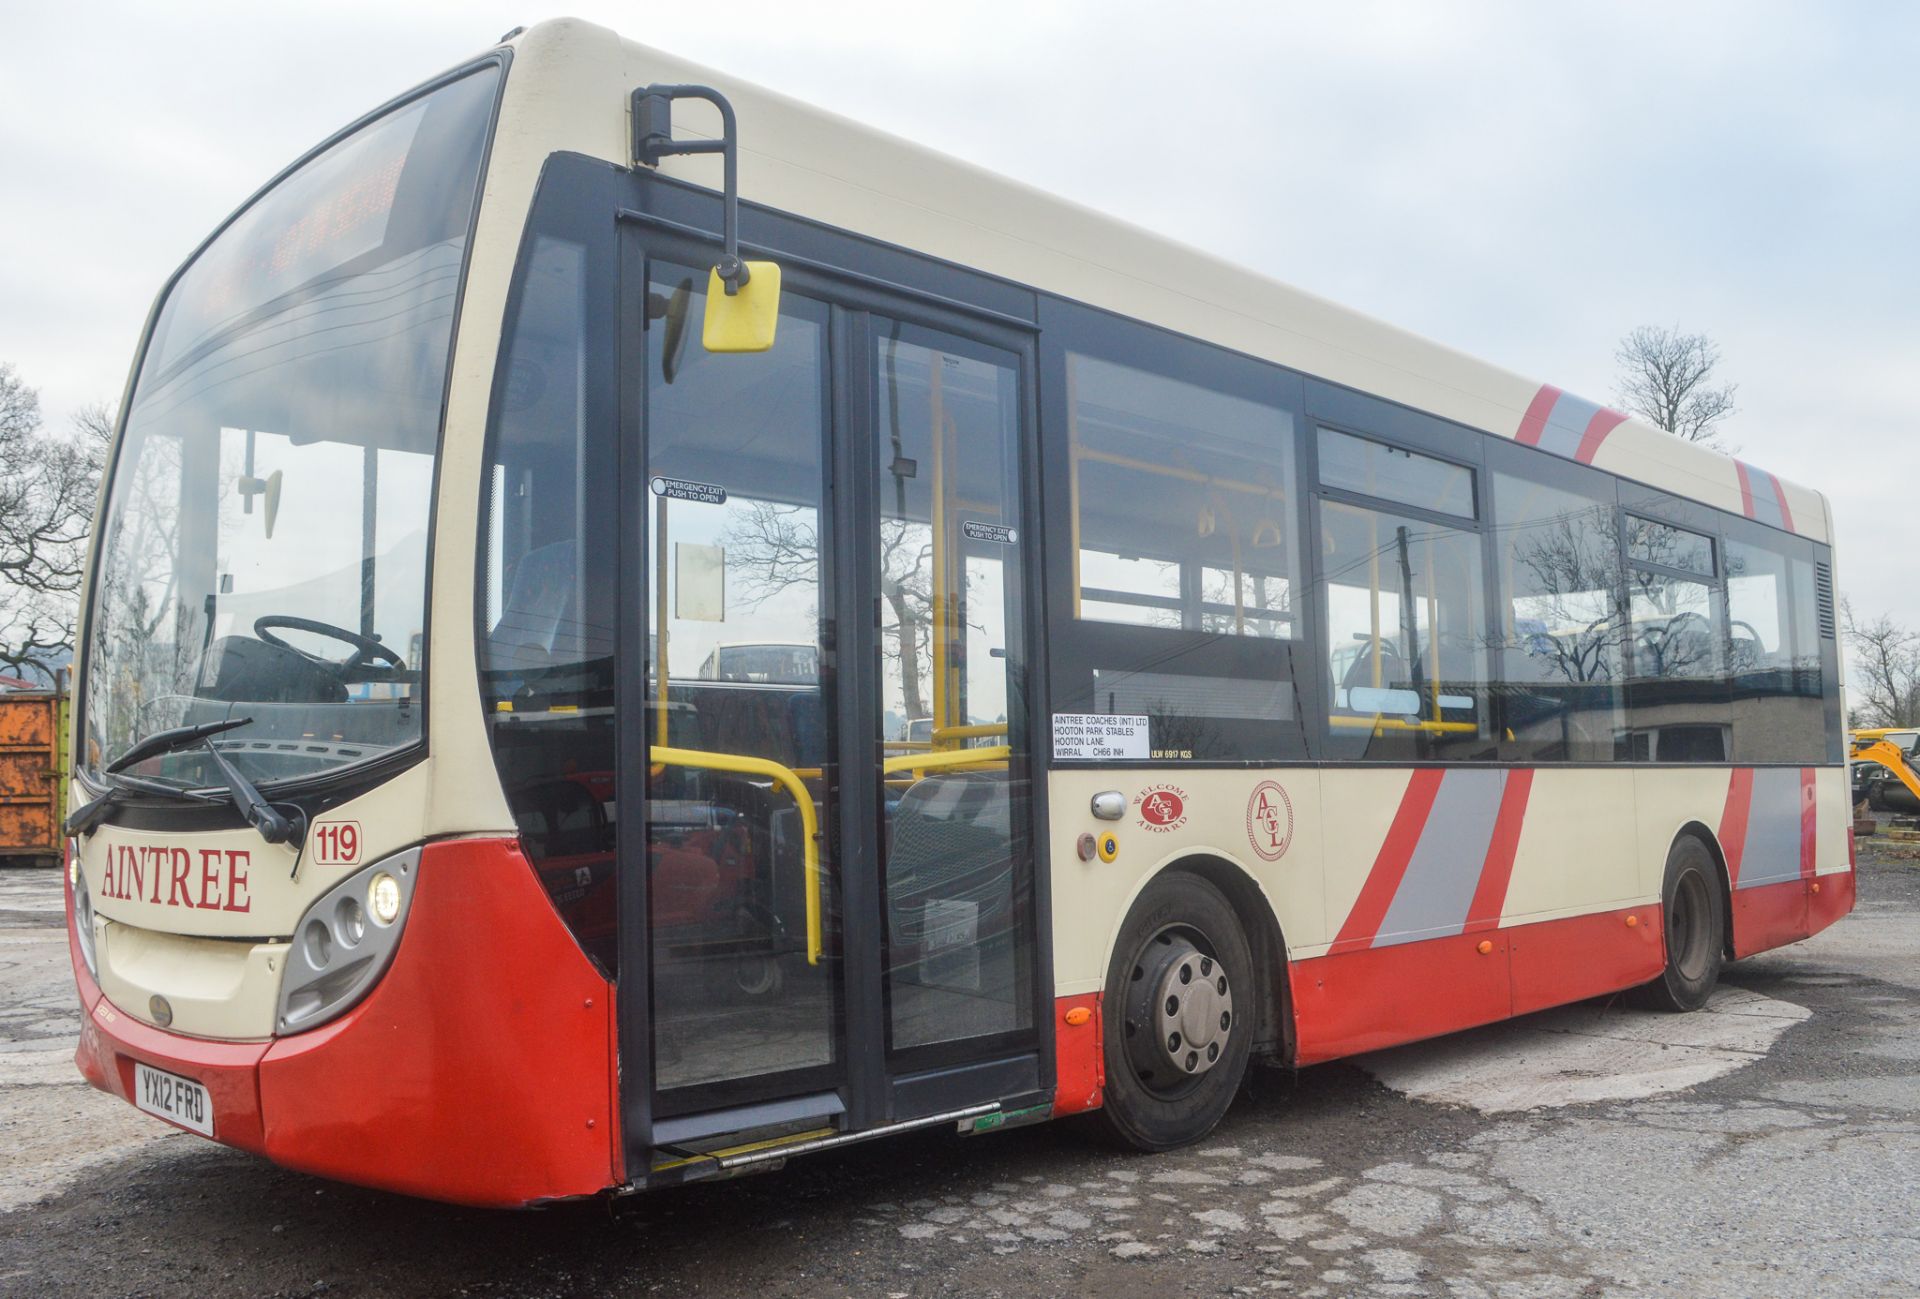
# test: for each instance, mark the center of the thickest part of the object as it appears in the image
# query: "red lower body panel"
(1384, 996)
(480, 1070)
(1773, 915)
(1078, 1063)
(1832, 897)
(1562, 961)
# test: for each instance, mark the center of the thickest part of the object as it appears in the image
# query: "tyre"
(1179, 1017)
(1693, 908)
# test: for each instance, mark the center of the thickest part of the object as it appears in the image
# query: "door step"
(678, 1165)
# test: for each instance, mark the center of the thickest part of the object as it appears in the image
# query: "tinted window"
(1184, 556)
(1185, 504)
(1661, 543)
(1562, 635)
(547, 627)
(1375, 469)
(1406, 636)
(1773, 656)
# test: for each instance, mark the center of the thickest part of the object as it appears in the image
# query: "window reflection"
(1406, 640)
(1562, 636)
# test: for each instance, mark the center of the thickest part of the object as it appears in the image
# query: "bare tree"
(1666, 378)
(1884, 683)
(47, 489)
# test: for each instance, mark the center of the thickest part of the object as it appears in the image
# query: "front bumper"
(480, 1070)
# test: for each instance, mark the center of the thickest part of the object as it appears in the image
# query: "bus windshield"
(263, 549)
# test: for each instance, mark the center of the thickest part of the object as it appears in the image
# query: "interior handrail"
(955, 758)
(787, 779)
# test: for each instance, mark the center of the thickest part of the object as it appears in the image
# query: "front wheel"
(1693, 906)
(1180, 1018)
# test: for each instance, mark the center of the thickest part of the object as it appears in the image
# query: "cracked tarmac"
(1770, 1146)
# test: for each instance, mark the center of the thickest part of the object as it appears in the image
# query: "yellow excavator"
(1881, 749)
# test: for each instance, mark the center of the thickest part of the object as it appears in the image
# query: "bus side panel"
(1563, 961)
(477, 1070)
(1767, 916)
(1384, 996)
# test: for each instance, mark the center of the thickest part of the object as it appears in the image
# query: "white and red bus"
(596, 676)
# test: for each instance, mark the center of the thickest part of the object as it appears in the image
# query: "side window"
(1773, 655)
(1184, 505)
(546, 633)
(1181, 555)
(1676, 645)
(1561, 633)
(1406, 624)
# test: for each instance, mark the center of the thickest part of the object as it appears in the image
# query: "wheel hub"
(1187, 1012)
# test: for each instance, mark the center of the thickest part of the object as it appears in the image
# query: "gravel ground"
(1768, 1147)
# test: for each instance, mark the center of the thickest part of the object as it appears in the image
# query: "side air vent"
(1823, 597)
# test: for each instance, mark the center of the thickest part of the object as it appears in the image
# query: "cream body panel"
(216, 989)
(1577, 850)
(1666, 799)
(1833, 810)
(1360, 802)
(1091, 898)
(387, 818)
(803, 160)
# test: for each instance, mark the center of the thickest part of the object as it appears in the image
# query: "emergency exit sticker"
(1100, 736)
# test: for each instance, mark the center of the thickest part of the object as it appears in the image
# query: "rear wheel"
(1693, 907)
(1179, 1025)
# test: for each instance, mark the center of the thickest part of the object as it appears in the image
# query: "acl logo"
(1162, 808)
(1269, 820)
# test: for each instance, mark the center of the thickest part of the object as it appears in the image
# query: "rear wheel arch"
(1706, 836)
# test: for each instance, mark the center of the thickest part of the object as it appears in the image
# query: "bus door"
(828, 885)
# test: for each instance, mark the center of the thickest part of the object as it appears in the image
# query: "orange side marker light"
(1816, 886)
(1486, 946)
(1632, 921)
(1078, 1016)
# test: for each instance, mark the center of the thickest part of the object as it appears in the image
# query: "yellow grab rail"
(955, 758)
(809, 819)
(975, 731)
(1380, 725)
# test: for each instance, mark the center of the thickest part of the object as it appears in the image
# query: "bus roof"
(569, 90)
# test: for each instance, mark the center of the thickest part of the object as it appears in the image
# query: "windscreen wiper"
(86, 818)
(274, 825)
(173, 740)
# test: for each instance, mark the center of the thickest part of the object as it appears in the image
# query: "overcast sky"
(1524, 181)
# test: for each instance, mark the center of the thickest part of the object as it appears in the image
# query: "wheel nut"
(1173, 1041)
(1173, 1005)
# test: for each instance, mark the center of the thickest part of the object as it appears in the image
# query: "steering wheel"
(366, 648)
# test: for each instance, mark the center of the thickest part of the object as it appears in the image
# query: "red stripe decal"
(1809, 822)
(1602, 423)
(1390, 867)
(1746, 488)
(1780, 495)
(1490, 897)
(1733, 821)
(1534, 423)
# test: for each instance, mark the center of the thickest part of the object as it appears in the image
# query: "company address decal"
(207, 879)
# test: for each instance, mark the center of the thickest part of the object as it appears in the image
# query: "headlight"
(383, 898)
(345, 941)
(82, 910)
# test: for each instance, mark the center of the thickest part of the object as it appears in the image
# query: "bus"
(1195, 672)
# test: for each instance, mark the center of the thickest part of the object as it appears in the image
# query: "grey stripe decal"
(1772, 853)
(1444, 871)
(1566, 424)
(1766, 502)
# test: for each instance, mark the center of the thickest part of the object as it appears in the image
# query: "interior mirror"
(744, 320)
(272, 501)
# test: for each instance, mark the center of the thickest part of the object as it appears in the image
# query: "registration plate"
(176, 1099)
